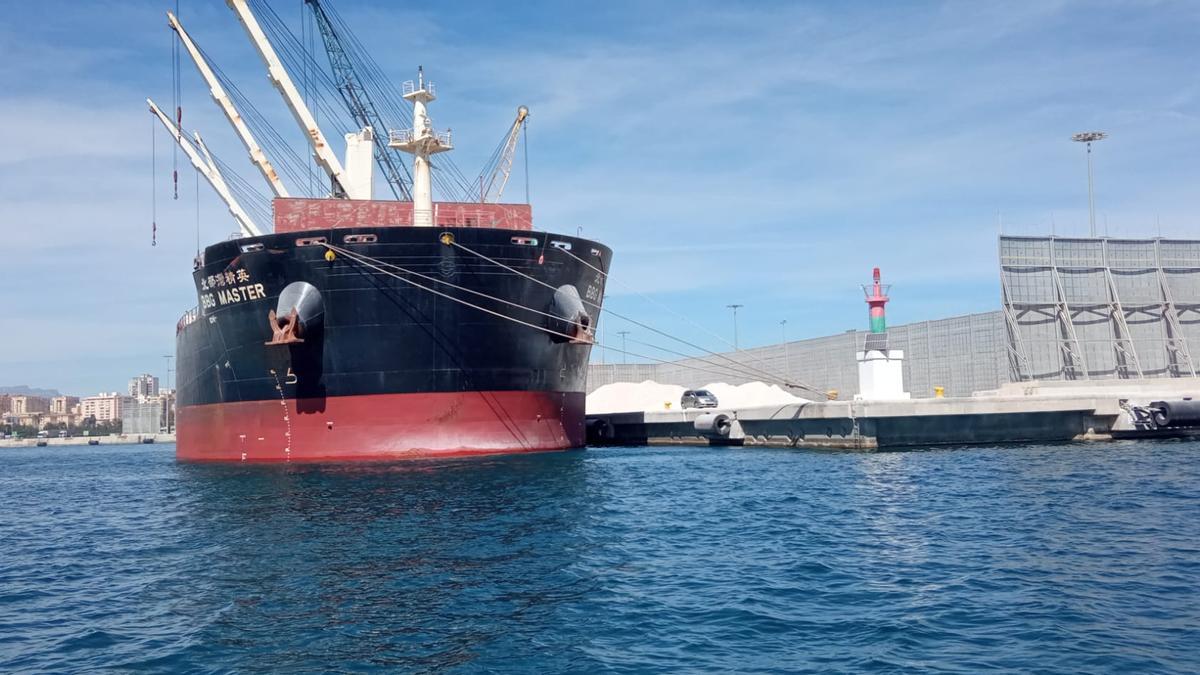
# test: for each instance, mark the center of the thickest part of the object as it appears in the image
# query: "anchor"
(581, 333)
(286, 331)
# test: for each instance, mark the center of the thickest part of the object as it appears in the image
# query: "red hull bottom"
(381, 427)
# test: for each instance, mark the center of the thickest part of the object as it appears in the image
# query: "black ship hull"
(406, 342)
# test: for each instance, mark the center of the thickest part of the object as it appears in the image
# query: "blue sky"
(767, 154)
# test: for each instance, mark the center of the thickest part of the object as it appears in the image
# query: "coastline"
(110, 439)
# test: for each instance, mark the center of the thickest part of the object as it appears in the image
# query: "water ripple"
(1050, 559)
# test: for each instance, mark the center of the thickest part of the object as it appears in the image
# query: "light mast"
(880, 368)
(876, 301)
(422, 141)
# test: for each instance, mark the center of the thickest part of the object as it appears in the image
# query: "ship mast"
(422, 141)
(223, 101)
(208, 168)
(342, 185)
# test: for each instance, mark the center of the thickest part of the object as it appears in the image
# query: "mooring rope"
(379, 266)
(661, 305)
(362, 258)
(664, 306)
(748, 368)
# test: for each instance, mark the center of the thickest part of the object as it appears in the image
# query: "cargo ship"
(367, 329)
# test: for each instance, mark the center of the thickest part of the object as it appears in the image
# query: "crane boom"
(492, 187)
(208, 158)
(358, 101)
(291, 96)
(208, 169)
(226, 104)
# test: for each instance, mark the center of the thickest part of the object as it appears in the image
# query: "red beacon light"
(876, 299)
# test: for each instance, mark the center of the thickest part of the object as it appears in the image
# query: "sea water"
(1060, 558)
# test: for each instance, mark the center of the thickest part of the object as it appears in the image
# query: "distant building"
(58, 419)
(29, 420)
(63, 405)
(167, 399)
(25, 405)
(103, 407)
(141, 417)
(143, 387)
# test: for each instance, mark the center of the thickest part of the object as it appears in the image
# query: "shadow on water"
(406, 558)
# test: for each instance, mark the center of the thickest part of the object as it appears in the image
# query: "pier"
(1024, 412)
(111, 439)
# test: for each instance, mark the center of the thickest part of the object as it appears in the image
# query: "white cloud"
(775, 149)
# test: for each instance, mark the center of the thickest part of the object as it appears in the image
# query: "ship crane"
(208, 168)
(358, 101)
(257, 156)
(355, 184)
(491, 183)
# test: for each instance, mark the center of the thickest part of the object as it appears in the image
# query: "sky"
(764, 154)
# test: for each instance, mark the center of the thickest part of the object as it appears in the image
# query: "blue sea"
(1066, 558)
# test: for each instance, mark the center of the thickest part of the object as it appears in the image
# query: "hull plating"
(382, 427)
(396, 370)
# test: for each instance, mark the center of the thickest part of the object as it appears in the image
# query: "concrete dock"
(1023, 412)
(111, 439)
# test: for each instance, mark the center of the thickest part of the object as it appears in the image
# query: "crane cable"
(379, 266)
(176, 95)
(153, 181)
(748, 368)
(491, 165)
(297, 55)
(660, 305)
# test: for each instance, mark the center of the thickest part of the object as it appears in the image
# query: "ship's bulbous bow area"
(573, 318)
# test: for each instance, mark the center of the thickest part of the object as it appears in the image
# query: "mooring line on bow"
(748, 368)
(379, 266)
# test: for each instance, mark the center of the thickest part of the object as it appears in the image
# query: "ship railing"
(460, 216)
(409, 86)
(404, 136)
(189, 317)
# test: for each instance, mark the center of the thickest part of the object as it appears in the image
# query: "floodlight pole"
(735, 326)
(603, 342)
(167, 400)
(1087, 137)
(787, 366)
(624, 354)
